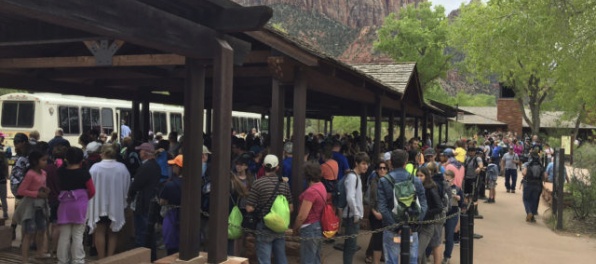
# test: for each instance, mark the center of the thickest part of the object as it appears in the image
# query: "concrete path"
(508, 238)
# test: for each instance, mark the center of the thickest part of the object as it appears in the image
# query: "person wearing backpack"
(492, 172)
(260, 200)
(399, 185)
(533, 175)
(353, 209)
(430, 234)
(310, 214)
(473, 166)
(375, 245)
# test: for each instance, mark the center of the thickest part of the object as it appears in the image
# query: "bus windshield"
(17, 114)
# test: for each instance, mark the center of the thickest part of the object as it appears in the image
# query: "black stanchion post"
(405, 244)
(559, 190)
(555, 183)
(471, 235)
(464, 239)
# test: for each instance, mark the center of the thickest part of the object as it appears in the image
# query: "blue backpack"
(342, 200)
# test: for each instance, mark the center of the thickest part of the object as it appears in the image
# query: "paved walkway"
(508, 238)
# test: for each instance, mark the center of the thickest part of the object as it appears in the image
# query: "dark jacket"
(435, 203)
(144, 185)
(385, 195)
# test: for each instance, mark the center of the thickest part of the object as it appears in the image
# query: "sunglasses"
(382, 168)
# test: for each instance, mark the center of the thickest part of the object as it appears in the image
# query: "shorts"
(469, 185)
(104, 220)
(436, 240)
(38, 223)
(492, 184)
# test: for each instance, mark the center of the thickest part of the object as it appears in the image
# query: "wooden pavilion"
(210, 54)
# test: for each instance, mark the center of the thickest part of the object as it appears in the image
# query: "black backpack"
(535, 171)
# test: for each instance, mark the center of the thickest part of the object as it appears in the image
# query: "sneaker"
(446, 261)
(512, 191)
(478, 216)
(487, 201)
(533, 219)
(478, 236)
(508, 190)
(529, 217)
(456, 243)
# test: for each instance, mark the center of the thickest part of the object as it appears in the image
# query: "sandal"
(44, 256)
(368, 259)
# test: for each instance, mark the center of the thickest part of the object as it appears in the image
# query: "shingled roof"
(395, 76)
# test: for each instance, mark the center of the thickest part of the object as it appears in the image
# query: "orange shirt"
(329, 170)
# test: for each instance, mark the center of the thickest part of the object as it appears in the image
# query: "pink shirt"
(31, 184)
(314, 194)
(459, 174)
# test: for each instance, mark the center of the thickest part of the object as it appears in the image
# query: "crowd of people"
(80, 194)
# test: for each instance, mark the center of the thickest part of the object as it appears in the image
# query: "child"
(33, 211)
(492, 172)
(452, 224)
(76, 189)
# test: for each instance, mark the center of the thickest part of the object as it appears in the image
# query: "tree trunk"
(580, 117)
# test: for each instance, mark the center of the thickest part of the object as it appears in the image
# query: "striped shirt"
(262, 190)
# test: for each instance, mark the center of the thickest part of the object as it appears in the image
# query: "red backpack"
(329, 220)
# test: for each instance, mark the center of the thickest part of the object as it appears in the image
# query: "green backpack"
(278, 218)
(235, 222)
(406, 205)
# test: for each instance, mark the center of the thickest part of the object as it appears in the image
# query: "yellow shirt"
(460, 155)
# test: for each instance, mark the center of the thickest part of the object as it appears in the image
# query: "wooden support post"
(209, 122)
(300, 87)
(276, 118)
(331, 126)
(432, 129)
(440, 133)
(424, 128)
(416, 127)
(363, 127)
(391, 130)
(378, 117)
(190, 209)
(288, 127)
(325, 128)
(223, 75)
(402, 127)
(145, 121)
(446, 130)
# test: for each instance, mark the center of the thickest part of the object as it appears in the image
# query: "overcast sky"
(449, 5)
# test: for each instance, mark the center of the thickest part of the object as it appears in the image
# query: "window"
(107, 120)
(159, 122)
(18, 114)
(68, 116)
(90, 118)
(176, 123)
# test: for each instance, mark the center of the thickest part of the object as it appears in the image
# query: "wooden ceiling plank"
(131, 21)
(89, 61)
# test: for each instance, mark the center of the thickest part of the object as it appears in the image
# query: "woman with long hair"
(240, 181)
(435, 207)
(375, 218)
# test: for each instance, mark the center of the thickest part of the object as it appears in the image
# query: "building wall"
(509, 112)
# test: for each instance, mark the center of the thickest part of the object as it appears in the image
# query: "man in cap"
(533, 176)
(260, 196)
(509, 163)
(170, 198)
(287, 162)
(142, 190)
(205, 196)
(57, 140)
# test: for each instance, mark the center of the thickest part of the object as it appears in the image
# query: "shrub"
(583, 182)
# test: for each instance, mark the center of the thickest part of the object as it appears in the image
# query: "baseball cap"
(146, 147)
(20, 137)
(271, 161)
(387, 156)
(176, 161)
(206, 150)
(429, 152)
(448, 152)
(93, 147)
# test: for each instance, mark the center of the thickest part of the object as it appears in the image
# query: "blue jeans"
(310, 250)
(350, 245)
(450, 225)
(531, 197)
(267, 243)
(141, 224)
(510, 179)
(393, 249)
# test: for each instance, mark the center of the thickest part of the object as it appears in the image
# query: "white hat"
(206, 150)
(271, 161)
(93, 147)
(387, 156)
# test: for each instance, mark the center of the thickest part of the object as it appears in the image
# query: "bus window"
(68, 117)
(159, 122)
(90, 118)
(107, 120)
(17, 114)
(176, 123)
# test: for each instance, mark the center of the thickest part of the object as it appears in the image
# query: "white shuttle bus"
(46, 112)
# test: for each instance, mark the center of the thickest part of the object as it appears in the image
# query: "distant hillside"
(347, 30)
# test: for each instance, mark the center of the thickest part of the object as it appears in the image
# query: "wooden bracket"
(281, 68)
(103, 51)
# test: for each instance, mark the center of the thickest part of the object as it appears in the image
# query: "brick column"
(509, 112)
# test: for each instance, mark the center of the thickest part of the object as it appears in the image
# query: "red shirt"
(315, 194)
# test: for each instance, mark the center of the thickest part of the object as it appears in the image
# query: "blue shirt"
(342, 162)
(124, 131)
(286, 169)
(551, 173)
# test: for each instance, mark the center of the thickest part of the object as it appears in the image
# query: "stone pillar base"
(5, 234)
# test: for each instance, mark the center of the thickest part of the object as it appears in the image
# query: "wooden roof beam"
(339, 88)
(285, 47)
(131, 21)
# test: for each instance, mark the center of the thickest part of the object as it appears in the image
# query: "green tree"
(517, 42)
(418, 35)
